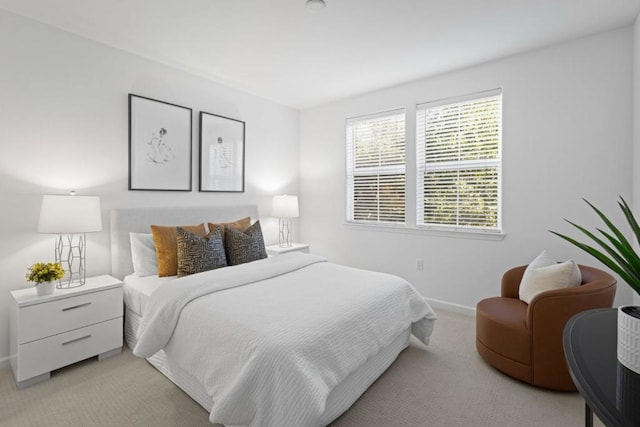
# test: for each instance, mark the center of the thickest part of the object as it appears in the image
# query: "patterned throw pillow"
(240, 224)
(197, 254)
(244, 246)
(166, 246)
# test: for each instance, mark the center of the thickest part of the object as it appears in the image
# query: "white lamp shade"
(70, 214)
(285, 207)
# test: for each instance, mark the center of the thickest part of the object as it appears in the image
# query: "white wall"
(567, 134)
(64, 117)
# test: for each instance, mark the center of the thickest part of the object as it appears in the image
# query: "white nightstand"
(52, 331)
(277, 249)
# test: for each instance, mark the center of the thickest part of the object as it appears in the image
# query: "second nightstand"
(52, 331)
(277, 249)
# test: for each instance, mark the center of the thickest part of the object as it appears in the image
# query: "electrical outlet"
(419, 264)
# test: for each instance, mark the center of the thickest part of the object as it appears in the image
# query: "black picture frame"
(222, 153)
(160, 145)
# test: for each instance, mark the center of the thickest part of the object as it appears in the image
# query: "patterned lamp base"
(70, 253)
(284, 238)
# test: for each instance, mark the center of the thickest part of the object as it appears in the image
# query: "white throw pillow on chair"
(544, 274)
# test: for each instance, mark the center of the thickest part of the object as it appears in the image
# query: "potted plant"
(43, 274)
(619, 255)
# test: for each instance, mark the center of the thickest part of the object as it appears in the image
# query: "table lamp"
(70, 217)
(284, 208)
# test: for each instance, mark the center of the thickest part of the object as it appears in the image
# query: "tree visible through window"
(376, 168)
(459, 162)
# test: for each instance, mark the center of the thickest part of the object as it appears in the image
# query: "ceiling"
(283, 51)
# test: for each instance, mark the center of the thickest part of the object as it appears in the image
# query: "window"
(459, 163)
(376, 168)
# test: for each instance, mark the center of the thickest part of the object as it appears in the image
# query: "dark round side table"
(609, 389)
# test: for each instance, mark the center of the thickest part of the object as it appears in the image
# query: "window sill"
(405, 229)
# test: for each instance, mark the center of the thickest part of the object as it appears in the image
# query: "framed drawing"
(221, 153)
(159, 145)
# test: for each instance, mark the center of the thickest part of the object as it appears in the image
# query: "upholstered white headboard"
(139, 220)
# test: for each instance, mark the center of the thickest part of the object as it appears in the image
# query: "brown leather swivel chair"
(525, 341)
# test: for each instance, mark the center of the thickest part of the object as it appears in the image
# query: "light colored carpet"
(444, 384)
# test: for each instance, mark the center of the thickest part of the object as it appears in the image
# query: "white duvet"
(270, 339)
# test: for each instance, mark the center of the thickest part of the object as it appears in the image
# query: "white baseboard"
(4, 363)
(452, 306)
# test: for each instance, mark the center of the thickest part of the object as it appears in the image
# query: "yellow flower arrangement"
(41, 272)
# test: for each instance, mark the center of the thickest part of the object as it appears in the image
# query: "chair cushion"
(545, 259)
(501, 326)
(556, 276)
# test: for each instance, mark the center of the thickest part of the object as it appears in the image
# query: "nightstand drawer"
(51, 353)
(57, 316)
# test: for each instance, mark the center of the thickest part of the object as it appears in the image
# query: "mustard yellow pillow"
(166, 241)
(240, 225)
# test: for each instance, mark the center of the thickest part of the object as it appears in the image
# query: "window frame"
(389, 170)
(457, 165)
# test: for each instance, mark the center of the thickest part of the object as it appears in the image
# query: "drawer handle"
(76, 306)
(77, 339)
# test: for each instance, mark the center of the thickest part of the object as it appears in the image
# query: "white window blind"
(459, 163)
(376, 168)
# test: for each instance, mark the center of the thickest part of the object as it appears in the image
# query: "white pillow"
(540, 276)
(143, 254)
(542, 260)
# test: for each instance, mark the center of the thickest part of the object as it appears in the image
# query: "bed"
(301, 338)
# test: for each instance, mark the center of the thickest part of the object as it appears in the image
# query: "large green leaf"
(626, 254)
(600, 256)
(612, 227)
(622, 257)
(630, 218)
(618, 259)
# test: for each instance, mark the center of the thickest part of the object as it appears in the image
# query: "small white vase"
(45, 288)
(629, 337)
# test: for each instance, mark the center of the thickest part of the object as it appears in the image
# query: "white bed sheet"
(312, 325)
(137, 290)
(340, 399)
